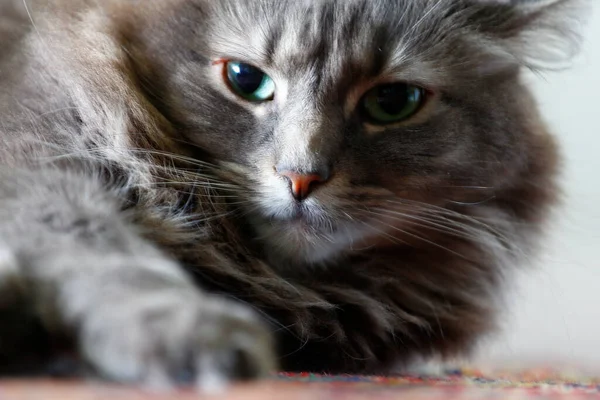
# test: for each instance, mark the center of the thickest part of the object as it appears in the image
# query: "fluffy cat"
(198, 191)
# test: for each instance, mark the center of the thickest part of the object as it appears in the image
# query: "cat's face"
(340, 115)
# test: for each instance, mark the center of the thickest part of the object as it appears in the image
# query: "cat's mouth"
(304, 218)
(307, 236)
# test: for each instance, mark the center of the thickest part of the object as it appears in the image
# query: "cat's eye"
(392, 103)
(249, 82)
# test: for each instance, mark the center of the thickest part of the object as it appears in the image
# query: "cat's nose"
(302, 184)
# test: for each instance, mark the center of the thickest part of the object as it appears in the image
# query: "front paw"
(171, 339)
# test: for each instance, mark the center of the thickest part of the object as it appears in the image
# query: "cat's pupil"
(393, 99)
(248, 78)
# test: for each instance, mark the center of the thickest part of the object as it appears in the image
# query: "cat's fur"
(141, 218)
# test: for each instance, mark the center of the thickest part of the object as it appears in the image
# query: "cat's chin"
(307, 233)
(297, 241)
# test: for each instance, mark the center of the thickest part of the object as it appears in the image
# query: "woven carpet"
(466, 384)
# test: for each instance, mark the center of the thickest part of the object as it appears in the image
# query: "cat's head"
(341, 117)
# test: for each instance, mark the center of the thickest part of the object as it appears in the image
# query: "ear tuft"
(536, 34)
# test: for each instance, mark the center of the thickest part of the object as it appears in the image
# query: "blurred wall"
(555, 313)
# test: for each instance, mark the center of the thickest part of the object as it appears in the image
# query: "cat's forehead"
(295, 35)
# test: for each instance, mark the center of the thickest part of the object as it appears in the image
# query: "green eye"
(249, 82)
(396, 102)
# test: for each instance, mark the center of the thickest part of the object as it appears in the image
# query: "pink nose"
(303, 184)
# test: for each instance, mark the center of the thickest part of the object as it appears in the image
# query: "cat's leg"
(135, 315)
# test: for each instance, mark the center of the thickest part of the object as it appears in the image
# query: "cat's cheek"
(270, 197)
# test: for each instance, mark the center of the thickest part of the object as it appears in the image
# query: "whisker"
(389, 237)
(426, 223)
(265, 315)
(474, 227)
(435, 212)
(302, 346)
(415, 236)
(477, 203)
(197, 184)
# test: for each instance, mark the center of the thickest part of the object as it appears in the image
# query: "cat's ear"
(537, 34)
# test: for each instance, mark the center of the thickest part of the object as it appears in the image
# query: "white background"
(556, 313)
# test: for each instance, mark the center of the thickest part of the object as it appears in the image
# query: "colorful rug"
(464, 384)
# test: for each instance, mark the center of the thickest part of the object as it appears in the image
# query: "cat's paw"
(175, 339)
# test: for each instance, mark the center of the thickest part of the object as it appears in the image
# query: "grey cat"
(198, 191)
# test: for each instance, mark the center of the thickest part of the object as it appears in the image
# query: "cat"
(196, 192)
